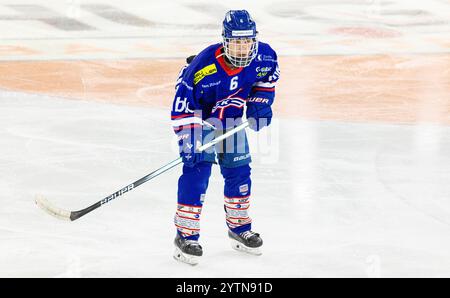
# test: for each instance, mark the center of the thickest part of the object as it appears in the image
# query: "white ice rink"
(343, 199)
(330, 198)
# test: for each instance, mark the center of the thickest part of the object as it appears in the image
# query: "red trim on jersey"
(183, 127)
(183, 116)
(225, 67)
(263, 89)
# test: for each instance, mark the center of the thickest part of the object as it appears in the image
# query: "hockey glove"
(189, 140)
(259, 113)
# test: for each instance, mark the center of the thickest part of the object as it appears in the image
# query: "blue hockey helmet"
(239, 38)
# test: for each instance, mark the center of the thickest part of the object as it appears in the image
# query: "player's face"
(241, 51)
(240, 48)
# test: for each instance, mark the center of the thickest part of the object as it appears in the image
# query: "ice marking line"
(55, 140)
(141, 91)
(27, 232)
(110, 37)
(400, 197)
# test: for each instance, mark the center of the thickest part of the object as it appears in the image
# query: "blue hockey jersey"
(208, 88)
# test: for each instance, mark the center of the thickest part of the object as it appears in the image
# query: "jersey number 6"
(234, 83)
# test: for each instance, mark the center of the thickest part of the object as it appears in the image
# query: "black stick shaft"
(74, 215)
(77, 214)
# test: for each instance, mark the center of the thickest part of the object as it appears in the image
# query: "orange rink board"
(357, 88)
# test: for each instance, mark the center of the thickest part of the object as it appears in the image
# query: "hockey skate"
(187, 251)
(249, 242)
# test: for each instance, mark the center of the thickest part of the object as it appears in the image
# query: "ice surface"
(343, 199)
(330, 198)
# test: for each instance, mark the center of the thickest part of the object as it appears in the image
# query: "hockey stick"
(74, 215)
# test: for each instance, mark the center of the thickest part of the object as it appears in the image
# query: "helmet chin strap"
(225, 57)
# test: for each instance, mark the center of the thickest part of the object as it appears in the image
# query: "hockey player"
(214, 87)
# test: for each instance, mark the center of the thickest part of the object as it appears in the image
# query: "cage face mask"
(239, 38)
(240, 51)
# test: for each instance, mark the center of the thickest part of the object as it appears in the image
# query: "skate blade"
(185, 258)
(236, 245)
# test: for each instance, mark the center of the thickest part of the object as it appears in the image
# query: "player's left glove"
(259, 112)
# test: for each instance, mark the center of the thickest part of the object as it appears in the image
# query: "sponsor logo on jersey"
(226, 103)
(205, 71)
(211, 84)
(242, 157)
(187, 85)
(268, 58)
(231, 101)
(262, 71)
(236, 102)
(261, 74)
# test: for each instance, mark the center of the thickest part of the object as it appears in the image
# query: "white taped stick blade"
(54, 211)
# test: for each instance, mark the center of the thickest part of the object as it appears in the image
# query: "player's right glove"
(259, 112)
(189, 140)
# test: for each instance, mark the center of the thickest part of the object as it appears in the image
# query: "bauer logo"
(258, 99)
(119, 193)
(242, 157)
(205, 71)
